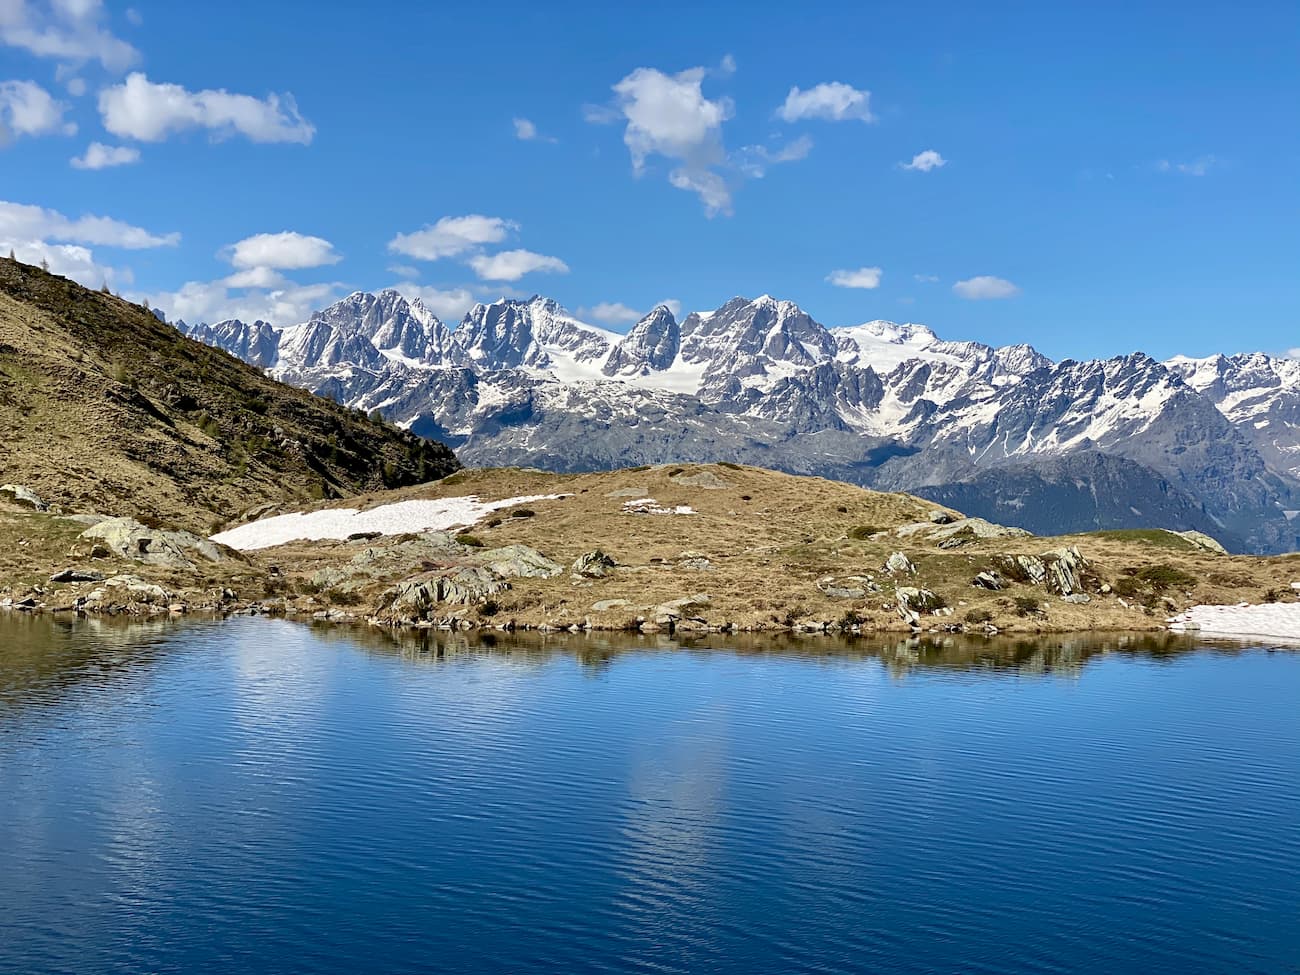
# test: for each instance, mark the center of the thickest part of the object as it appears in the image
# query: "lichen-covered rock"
(676, 609)
(991, 581)
(1064, 570)
(129, 539)
(412, 599)
(899, 564)
(1203, 541)
(511, 561)
(593, 565)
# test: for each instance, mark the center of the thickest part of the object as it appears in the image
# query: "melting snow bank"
(1271, 620)
(436, 514)
(649, 506)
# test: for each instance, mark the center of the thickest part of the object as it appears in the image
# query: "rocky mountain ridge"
(760, 381)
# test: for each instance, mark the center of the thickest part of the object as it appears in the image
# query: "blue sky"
(1114, 175)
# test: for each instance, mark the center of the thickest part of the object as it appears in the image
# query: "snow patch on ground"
(649, 506)
(1270, 620)
(435, 514)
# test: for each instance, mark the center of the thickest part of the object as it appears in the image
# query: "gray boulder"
(77, 575)
(593, 565)
(899, 564)
(991, 581)
(129, 539)
(512, 561)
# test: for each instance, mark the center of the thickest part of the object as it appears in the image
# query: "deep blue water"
(256, 796)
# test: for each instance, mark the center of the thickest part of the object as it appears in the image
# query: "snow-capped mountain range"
(1211, 444)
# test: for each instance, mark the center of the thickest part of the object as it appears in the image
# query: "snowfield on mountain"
(1210, 445)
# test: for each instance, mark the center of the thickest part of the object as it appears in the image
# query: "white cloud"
(1196, 167)
(526, 131)
(668, 116)
(925, 161)
(140, 109)
(36, 234)
(404, 270)
(1293, 353)
(452, 236)
(863, 277)
(100, 156)
(727, 66)
(831, 101)
(70, 31)
(24, 222)
(449, 305)
(212, 301)
(754, 160)
(28, 109)
(673, 305)
(76, 87)
(287, 249)
(611, 313)
(985, 287)
(513, 265)
(255, 277)
(926, 278)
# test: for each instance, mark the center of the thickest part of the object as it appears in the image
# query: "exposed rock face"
(22, 497)
(651, 346)
(1203, 541)
(913, 602)
(520, 560)
(593, 565)
(414, 599)
(899, 564)
(152, 546)
(1064, 568)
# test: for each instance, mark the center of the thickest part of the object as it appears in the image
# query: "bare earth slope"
(103, 407)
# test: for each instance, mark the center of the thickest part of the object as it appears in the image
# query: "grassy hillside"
(103, 407)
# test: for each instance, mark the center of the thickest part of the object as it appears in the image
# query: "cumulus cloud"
(673, 305)
(36, 234)
(611, 313)
(524, 129)
(668, 115)
(985, 287)
(70, 31)
(100, 156)
(831, 101)
(452, 236)
(140, 109)
(287, 250)
(20, 221)
(925, 161)
(514, 264)
(863, 277)
(1196, 167)
(27, 109)
(213, 301)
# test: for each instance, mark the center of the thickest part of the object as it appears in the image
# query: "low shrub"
(978, 616)
(1028, 606)
(471, 541)
(862, 532)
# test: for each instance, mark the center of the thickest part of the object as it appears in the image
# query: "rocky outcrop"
(899, 564)
(592, 565)
(512, 561)
(22, 497)
(129, 539)
(1064, 570)
(414, 599)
